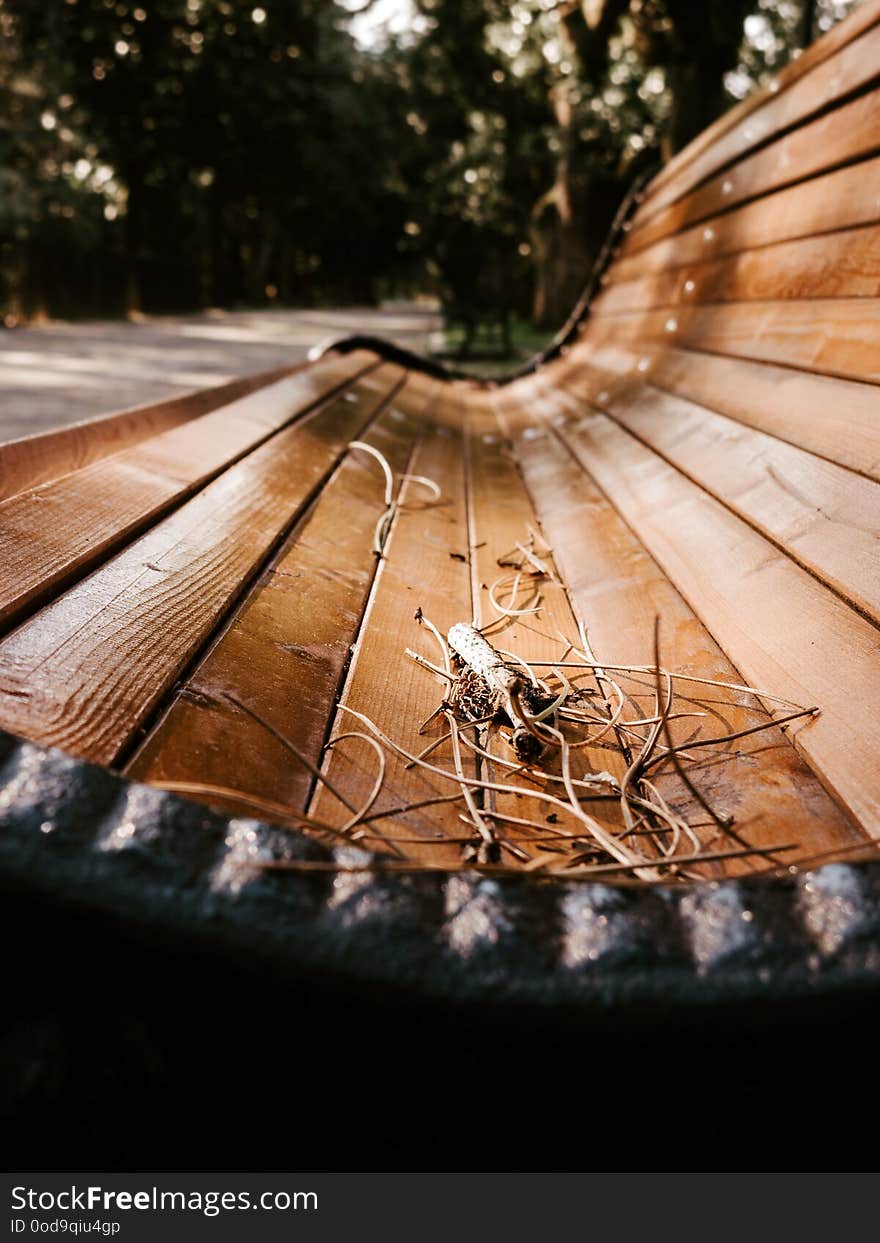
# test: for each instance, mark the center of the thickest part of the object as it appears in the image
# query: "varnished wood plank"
(502, 514)
(285, 651)
(846, 71)
(836, 419)
(823, 515)
(426, 567)
(782, 629)
(843, 199)
(834, 265)
(51, 534)
(86, 671)
(849, 133)
(838, 337)
(863, 18)
(617, 589)
(32, 460)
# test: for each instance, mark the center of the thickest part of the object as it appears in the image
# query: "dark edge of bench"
(93, 845)
(392, 353)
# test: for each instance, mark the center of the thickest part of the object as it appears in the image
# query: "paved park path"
(59, 373)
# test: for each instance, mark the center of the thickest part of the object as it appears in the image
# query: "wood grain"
(834, 265)
(285, 651)
(849, 133)
(51, 534)
(86, 671)
(617, 589)
(862, 19)
(426, 567)
(821, 514)
(837, 337)
(782, 629)
(836, 419)
(32, 460)
(840, 200)
(502, 514)
(848, 70)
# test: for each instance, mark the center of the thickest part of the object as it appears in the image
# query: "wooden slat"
(32, 460)
(285, 651)
(55, 532)
(862, 19)
(85, 672)
(823, 515)
(838, 337)
(834, 265)
(843, 199)
(426, 567)
(848, 70)
(850, 133)
(502, 514)
(836, 419)
(782, 629)
(617, 589)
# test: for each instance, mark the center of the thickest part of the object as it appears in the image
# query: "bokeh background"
(167, 156)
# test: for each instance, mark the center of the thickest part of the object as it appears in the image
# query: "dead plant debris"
(520, 746)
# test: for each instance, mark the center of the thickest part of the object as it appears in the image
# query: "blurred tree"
(252, 143)
(694, 44)
(169, 154)
(52, 191)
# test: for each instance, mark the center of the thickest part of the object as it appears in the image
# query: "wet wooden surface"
(85, 672)
(426, 567)
(785, 632)
(833, 265)
(848, 133)
(823, 85)
(617, 589)
(192, 593)
(838, 200)
(819, 512)
(504, 516)
(284, 653)
(679, 168)
(838, 337)
(52, 533)
(835, 419)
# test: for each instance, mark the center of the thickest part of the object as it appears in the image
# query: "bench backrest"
(730, 365)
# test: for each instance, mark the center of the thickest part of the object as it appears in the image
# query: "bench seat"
(192, 595)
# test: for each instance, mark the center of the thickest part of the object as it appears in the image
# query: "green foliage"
(250, 147)
(172, 154)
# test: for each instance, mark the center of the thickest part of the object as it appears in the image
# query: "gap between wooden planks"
(838, 200)
(835, 419)
(847, 134)
(54, 533)
(824, 516)
(617, 589)
(836, 337)
(845, 264)
(426, 566)
(285, 651)
(785, 631)
(843, 72)
(503, 516)
(85, 672)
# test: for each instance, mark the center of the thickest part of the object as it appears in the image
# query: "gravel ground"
(57, 373)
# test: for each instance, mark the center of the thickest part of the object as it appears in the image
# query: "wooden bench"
(191, 594)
